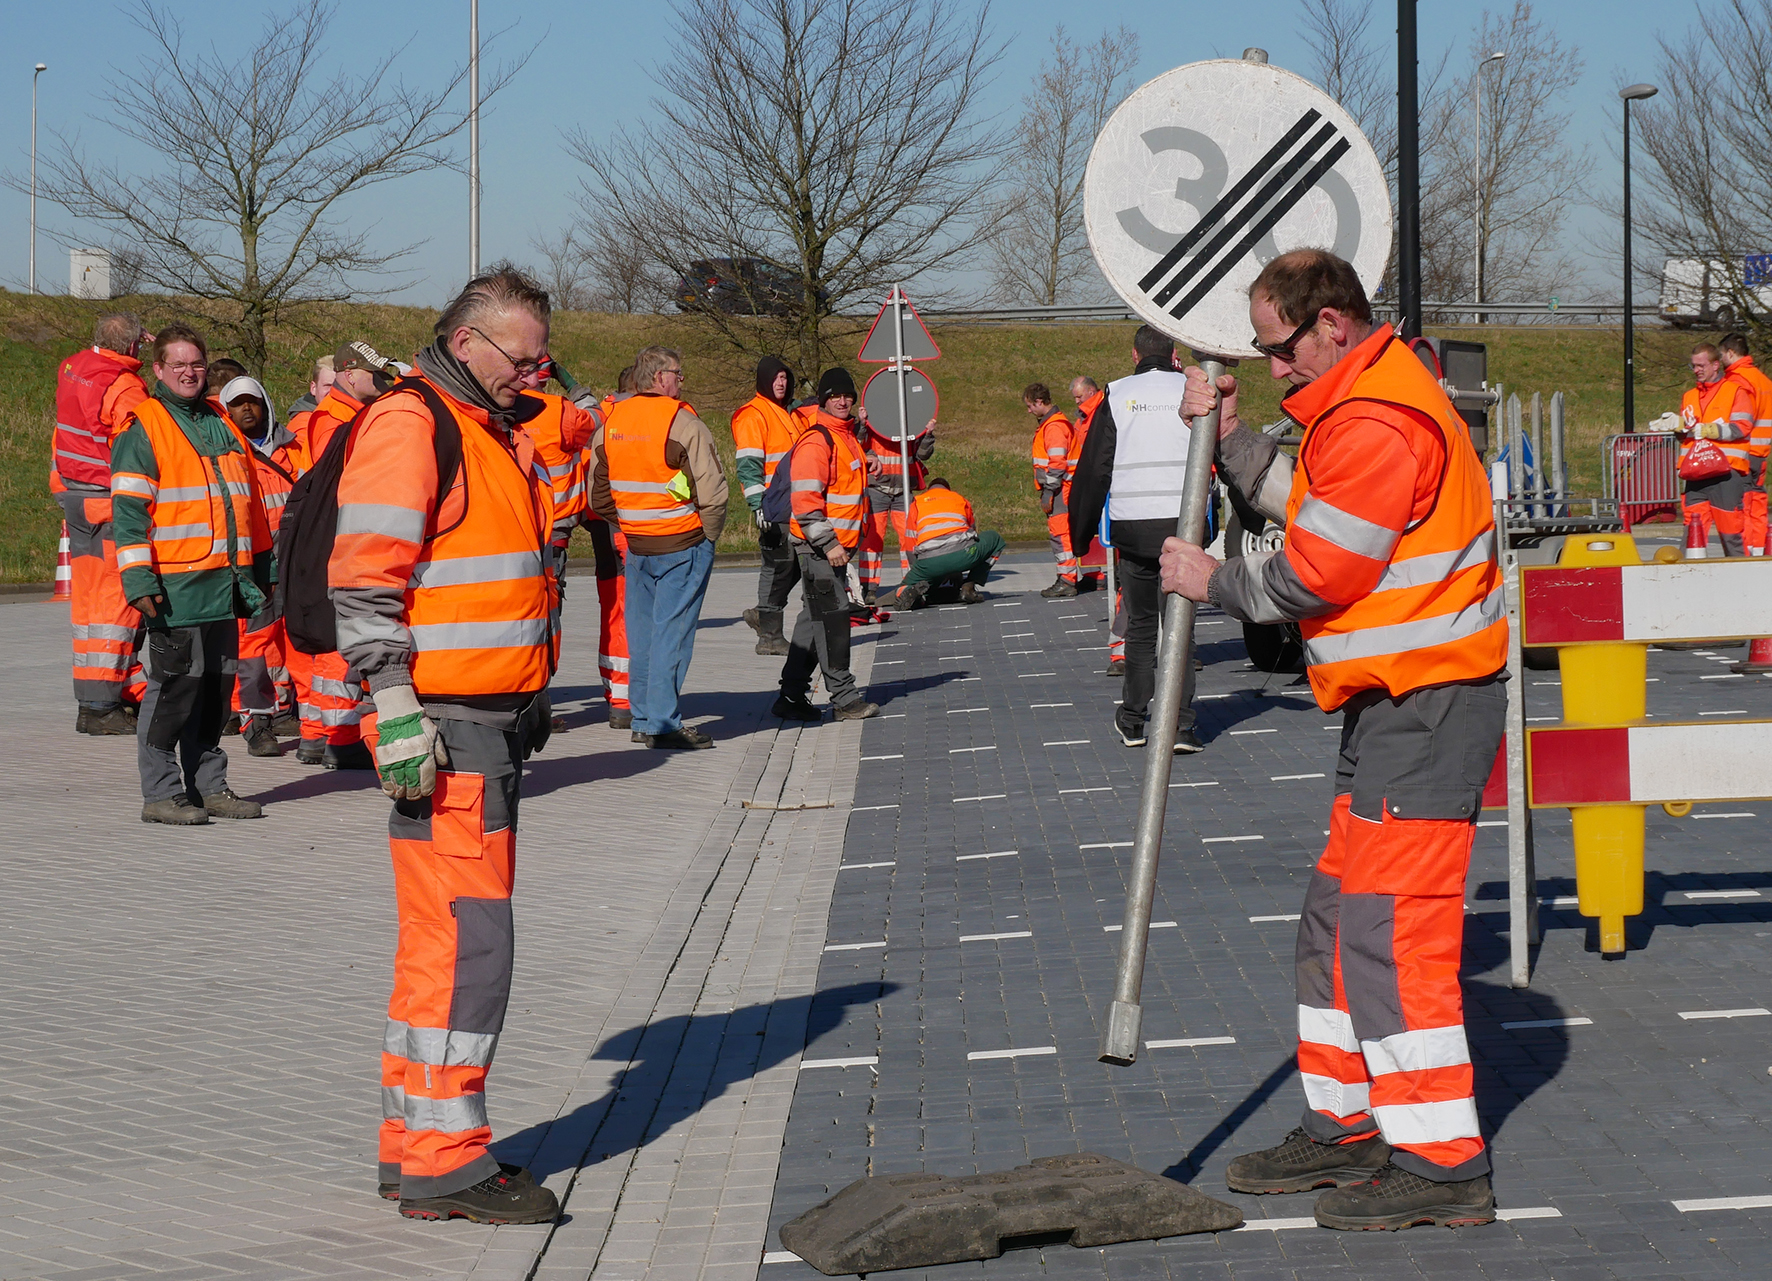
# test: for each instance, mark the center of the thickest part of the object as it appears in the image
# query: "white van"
(1703, 293)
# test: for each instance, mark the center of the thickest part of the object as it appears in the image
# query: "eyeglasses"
(195, 368)
(1287, 350)
(678, 372)
(523, 368)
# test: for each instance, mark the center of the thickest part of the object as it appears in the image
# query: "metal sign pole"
(1119, 1042)
(904, 444)
(1522, 876)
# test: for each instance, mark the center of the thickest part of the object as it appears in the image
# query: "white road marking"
(1562, 900)
(1289, 778)
(1529, 1212)
(1154, 925)
(1257, 920)
(1492, 822)
(1236, 732)
(1072, 791)
(889, 662)
(1275, 1225)
(955, 751)
(849, 867)
(1730, 814)
(1013, 653)
(1014, 635)
(1026, 675)
(862, 809)
(961, 858)
(891, 644)
(895, 756)
(1219, 840)
(853, 947)
(1704, 894)
(1011, 1054)
(1733, 711)
(1068, 742)
(991, 796)
(988, 938)
(1723, 676)
(1186, 1042)
(961, 711)
(781, 1256)
(1078, 631)
(1532, 1023)
(1210, 783)
(871, 1060)
(1107, 845)
(1724, 1014)
(892, 716)
(951, 658)
(1037, 706)
(1724, 1203)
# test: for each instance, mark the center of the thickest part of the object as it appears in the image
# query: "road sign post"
(896, 352)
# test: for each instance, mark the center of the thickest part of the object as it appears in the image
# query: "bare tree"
(566, 274)
(255, 153)
(1705, 143)
(1526, 175)
(625, 273)
(836, 140)
(1038, 246)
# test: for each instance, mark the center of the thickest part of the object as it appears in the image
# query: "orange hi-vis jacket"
(1759, 445)
(830, 484)
(884, 449)
(313, 429)
(640, 481)
(561, 431)
(1730, 400)
(941, 522)
(1052, 450)
(763, 432)
(1080, 432)
(95, 392)
(192, 505)
(1390, 518)
(276, 474)
(471, 564)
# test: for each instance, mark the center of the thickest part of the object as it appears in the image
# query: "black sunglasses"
(1287, 350)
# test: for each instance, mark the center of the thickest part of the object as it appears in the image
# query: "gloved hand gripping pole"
(1119, 1042)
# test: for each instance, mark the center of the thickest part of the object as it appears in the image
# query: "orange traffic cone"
(1697, 536)
(64, 569)
(1759, 650)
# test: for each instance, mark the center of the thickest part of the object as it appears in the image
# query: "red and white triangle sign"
(915, 339)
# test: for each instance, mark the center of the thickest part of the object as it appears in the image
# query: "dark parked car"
(740, 287)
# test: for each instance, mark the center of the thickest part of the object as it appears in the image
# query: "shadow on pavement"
(675, 1067)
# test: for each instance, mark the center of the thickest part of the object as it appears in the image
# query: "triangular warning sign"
(917, 344)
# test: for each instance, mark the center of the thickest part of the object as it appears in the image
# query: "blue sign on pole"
(1757, 270)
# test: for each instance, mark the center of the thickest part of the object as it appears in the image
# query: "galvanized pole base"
(1119, 1040)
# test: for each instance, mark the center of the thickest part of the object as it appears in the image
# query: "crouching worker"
(443, 592)
(946, 544)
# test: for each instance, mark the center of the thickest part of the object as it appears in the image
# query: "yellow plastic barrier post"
(1606, 684)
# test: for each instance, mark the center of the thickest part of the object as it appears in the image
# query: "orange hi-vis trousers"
(1381, 1042)
(331, 705)
(263, 658)
(873, 544)
(454, 865)
(1720, 502)
(610, 546)
(1056, 503)
(1753, 521)
(106, 671)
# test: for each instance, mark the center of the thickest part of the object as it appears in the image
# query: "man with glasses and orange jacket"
(1390, 570)
(444, 593)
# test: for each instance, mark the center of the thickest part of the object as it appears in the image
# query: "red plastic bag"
(1704, 461)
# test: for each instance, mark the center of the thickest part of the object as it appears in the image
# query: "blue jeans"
(663, 603)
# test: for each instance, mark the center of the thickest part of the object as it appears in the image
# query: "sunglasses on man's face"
(1287, 350)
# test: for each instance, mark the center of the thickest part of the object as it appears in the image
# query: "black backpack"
(310, 523)
(778, 499)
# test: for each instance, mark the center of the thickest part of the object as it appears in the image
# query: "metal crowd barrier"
(1642, 475)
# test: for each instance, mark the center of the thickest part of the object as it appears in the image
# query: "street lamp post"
(1635, 93)
(1477, 183)
(40, 69)
(473, 138)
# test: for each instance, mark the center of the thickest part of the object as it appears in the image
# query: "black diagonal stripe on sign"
(1203, 259)
(1268, 221)
(1229, 200)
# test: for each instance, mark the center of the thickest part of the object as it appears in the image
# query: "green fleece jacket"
(194, 596)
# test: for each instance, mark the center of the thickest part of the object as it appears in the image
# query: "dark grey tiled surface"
(1608, 1123)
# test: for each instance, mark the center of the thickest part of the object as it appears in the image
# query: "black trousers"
(821, 634)
(780, 571)
(1143, 595)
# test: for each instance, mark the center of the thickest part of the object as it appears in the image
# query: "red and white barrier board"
(1649, 764)
(1683, 601)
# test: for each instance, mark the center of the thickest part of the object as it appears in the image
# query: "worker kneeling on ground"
(443, 592)
(946, 546)
(1390, 569)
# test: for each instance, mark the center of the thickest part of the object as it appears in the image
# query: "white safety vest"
(1150, 446)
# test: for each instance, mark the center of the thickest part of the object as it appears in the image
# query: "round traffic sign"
(880, 398)
(1210, 171)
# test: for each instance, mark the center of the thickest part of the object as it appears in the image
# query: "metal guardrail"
(1642, 475)
(1072, 313)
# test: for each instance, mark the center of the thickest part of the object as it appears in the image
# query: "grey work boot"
(1300, 1163)
(224, 804)
(260, 740)
(175, 810)
(114, 720)
(770, 639)
(859, 710)
(503, 1198)
(1395, 1198)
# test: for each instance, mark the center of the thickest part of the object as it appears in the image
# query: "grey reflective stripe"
(808, 486)
(185, 493)
(443, 1047)
(172, 533)
(446, 1116)
(775, 457)
(1400, 638)
(555, 472)
(1418, 571)
(938, 546)
(133, 487)
(109, 659)
(751, 491)
(1162, 464)
(753, 453)
(80, 458)
(80, 431)
(640, 486)
(501, 567)
(393, 1037)
(381, 518)
(127, 556)
(103, 631)
(1346, 530)
(370, 628)
(653, 513)
(277, 500)
(334, 688)
(508, 634)
(393, 1102)
(816, 529)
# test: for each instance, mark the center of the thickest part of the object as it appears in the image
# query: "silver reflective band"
(1419, 571)
(1418, 1051)
(752, 453)
(1346, 530)
(1338, 1098)
(808, 486)
(134, 487)
(444, 1047)
(461, 571)
(446, 1116)
(641, 514)
(128, 556)
(372, 627)
(1399, 638)
(509, 634)
(172, 533)
(1428, 1122)
(381, 518)
(393, 1102)
(640, 486)
(103, 631)
(185, 493)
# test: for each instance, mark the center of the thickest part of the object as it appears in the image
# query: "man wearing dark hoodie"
(763, 430)
(1135, 462)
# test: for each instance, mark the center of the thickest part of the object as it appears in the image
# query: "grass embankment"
(982, 440)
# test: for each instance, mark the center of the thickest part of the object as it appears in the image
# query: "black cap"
(835, 382)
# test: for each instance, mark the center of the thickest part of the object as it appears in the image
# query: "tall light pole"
(1408, 177)
(1477, 182)
(473, 138)
(1635, 93)
(40, 69)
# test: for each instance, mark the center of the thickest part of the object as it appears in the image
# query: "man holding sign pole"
(1390, 569)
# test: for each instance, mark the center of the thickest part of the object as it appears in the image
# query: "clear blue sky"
(591, 70)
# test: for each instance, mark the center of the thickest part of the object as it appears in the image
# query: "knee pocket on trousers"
(458, 815)
(485, 947)
(1433, 755)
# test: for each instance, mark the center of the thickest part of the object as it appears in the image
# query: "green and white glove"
(408, 748)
